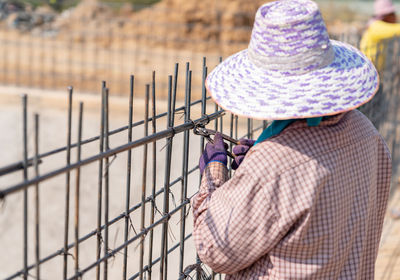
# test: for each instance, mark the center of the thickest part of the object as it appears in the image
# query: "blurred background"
(57, 43)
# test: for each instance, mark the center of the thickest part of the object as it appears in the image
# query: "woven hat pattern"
(297, 48)
(291, 68)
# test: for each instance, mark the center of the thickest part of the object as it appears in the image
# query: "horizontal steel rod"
(16, 166)
(133, 239)
(20, 165)
(86, 237)
(173, 248)
(154, 137)
(151, 197)
(94, 232)
(116, 219)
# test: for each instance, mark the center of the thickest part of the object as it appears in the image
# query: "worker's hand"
(240, 151)
(213, 152)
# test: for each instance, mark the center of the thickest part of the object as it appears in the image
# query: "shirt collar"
(332, 120)
(278, 126)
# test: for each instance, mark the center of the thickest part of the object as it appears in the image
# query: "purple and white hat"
(292, 69)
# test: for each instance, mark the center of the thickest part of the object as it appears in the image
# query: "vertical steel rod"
(67, 184)
(221, 123)
(184, 181)
(164, 237)
(154, 179)
(216, 106)
(236, 127)
(106, 183)
(230, 144)
(128, 176)
(203, 101)
(77, 187)
(186, 82)
(144, 181)
(37, 211)
(203, 113)
(265, 124)
(175, 85)
(216, 120)
(100, 184)
(25, 175)
(249, 128)
(172, 85)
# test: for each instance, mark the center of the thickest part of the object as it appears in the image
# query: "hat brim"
(238, 86)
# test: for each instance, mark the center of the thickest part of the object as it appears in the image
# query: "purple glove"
(240, 151)
(213, 152)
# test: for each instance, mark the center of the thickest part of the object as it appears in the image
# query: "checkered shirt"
(306, 204)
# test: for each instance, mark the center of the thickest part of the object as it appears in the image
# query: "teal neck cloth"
(277, 127)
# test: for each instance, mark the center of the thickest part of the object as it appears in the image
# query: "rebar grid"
(103, 252)
(382, 111)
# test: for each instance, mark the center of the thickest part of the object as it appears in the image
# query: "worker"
(308, 198)
(381, 28)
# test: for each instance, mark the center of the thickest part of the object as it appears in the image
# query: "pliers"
(206, 133)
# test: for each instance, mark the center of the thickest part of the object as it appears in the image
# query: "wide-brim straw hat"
(292, 69)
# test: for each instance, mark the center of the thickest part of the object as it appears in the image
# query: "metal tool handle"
(202, 131)
(207, 132)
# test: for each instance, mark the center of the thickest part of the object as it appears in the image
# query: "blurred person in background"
(308, 198)
(381, 27)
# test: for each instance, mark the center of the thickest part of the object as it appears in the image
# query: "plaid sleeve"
(238, 221)
(235, 222)
(214, 175)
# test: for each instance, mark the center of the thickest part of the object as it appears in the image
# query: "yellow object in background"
(373, 41)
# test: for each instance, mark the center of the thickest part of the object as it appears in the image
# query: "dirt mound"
(88, 16)
(199, 25)
(207, 25)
